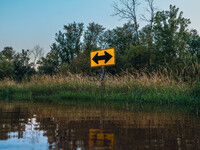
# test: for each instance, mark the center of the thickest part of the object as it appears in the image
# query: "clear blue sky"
(25, 23)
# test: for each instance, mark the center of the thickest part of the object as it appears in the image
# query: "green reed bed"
(119, 90)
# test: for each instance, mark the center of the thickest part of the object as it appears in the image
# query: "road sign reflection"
(100, 138)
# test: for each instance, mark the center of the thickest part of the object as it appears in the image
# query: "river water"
(31, 126)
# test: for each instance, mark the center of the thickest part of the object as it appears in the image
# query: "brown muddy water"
(43, 126)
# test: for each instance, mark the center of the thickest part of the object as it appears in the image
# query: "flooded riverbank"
(47, 126)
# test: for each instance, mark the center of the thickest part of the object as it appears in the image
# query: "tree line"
(164, 42)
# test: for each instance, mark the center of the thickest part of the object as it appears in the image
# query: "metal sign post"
(102, 82)
(101, 58)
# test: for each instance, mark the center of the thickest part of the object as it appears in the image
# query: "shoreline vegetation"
(120, 90)
(161, 60)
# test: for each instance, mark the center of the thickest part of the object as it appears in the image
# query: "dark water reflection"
(39, 126)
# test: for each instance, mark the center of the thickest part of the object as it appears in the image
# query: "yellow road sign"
(102, 57)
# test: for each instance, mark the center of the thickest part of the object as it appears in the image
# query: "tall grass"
(119, 89)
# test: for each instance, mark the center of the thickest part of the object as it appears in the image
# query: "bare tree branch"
(128, 11)
(150, 10)
(37, 53)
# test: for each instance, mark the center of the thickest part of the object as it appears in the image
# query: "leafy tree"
(194, 43)
(120, 38)
(171, 35)
(81, 64)
(135, 58)
(8, 53)
(50, 64)
(73, 38)
(6, 68)
(22, 67)
(68, 44)
(6, 62)
(93, 37)
(92, 40)
(60, 48)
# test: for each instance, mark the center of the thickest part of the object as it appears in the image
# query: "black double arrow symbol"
(105, 57)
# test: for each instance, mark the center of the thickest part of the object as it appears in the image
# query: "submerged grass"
(123, 90)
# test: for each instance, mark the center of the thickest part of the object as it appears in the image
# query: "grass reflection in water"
(41, 126)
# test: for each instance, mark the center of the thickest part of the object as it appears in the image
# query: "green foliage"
(121, 39)
(22, 67)
(163, 44)
(6, 62)
(68, 44)
(8, 53)
(196, 90)
(81, 64)
(194, 44)
(93, 37)
(135, 58)
(49, 65)
(6, 68)
(73, 36)
(171, 35)
(125, 90)
(15, 65)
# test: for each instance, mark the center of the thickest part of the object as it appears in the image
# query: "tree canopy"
(165, 41)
